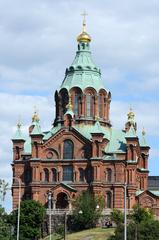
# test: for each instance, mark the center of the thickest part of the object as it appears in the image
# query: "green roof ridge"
(36, 130)
(18, 134)
(97, 128)
(131, 133)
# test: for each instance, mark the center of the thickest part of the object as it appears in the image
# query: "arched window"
(46, 175)
(54, 175)
(100, 105)
(67, 173)
(68, 149)
(131, 152)
(27, 175)
(64, 100)
(17, 153)
(89, 105)
(81, 174)
(76, 104)
(108, 175)
(108, 199)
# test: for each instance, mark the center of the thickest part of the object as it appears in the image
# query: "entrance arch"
(62, 201)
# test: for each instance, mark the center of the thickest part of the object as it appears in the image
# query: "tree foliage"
(117, 216)
(141, 225)
(86, 213)
(32, 214)
(5, 229)
(141, 214)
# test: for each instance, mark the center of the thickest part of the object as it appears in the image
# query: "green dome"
(83, 72)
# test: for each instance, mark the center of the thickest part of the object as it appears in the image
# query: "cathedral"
(82, 150)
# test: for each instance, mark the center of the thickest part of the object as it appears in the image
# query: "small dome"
(84, 37)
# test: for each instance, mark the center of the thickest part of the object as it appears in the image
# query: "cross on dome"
(84, 36)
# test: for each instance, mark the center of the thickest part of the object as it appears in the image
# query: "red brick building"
(82, 150)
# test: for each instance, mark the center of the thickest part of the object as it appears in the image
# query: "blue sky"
(38, 42)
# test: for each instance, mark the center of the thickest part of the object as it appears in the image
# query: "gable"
(53, 147)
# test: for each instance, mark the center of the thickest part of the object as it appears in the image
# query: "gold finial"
(69, 105)
(35, 117)
(131, 115)
(84, 36)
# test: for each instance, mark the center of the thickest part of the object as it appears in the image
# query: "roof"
(27, 145)
(97, 128)
(68, 186)
(117, 143)
(131, 133)
(156, 193)
(116, 138)
(153, 183)
(86, 130)
(18, 134)
(83, 72)
(51, 132)
(143, 142)
(36, 130)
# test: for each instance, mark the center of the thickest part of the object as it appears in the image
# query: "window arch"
(109, 175)
(54, 175)
(81, 174)
(108, 200)
(100, 105)
(131, 152)
(89, 105)
(67, 173)
(46, 175)
(76, 104)
(68, 149)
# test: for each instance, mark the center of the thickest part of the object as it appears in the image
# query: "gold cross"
(84, 14)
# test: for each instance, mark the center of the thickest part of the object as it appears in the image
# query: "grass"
(91, 234)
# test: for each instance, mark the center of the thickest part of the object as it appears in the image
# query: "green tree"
(32, 214)
(117, 216)
(141, 225)
(149, 230)
(86, 213)
(5, 229)
(141, 214)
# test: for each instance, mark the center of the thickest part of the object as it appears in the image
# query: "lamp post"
(19, 199)
(49, 202)
(125, 215)
(97, 207)
(65, 225)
